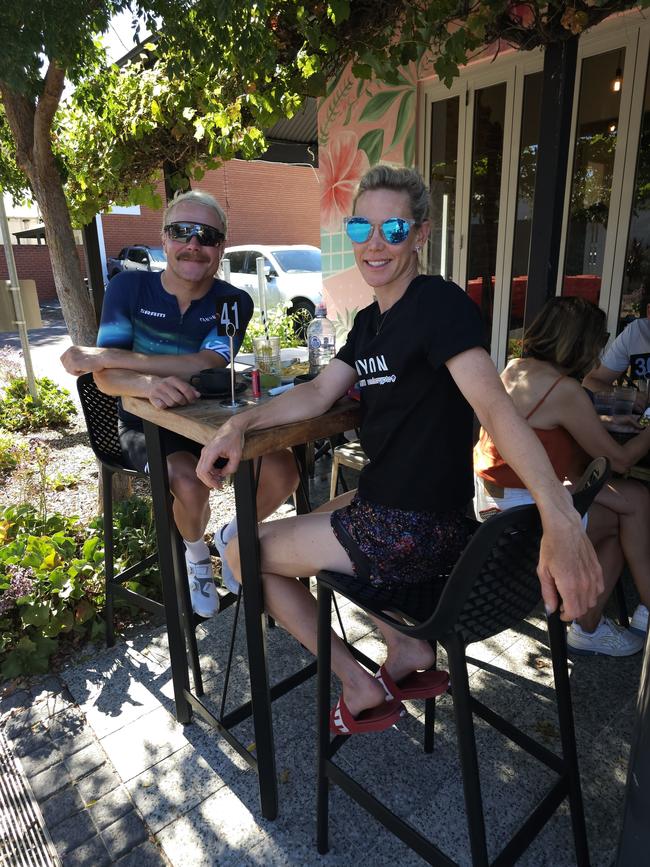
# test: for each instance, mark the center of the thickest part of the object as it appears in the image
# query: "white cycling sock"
(229, 531)
(197, 551)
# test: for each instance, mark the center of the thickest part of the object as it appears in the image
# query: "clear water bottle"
(321, 340)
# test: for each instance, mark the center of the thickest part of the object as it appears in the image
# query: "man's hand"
(171, 391)
(84, 359)
(568, 566)
(220, 457)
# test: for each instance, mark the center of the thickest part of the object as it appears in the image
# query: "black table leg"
(245, 493)
(635, 833)
(165, 537)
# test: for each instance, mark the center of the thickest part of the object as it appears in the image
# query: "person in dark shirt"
(417, 357)
(158, 330)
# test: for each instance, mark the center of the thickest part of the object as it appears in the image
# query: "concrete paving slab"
(219, 830)
(174, 786)
(143, 743)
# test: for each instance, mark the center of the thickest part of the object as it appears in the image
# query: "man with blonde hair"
(157, 330)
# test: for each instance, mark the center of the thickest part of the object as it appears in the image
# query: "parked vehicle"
(139, 257)
(293, 275)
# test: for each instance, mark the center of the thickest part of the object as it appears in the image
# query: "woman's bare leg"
(603, 530)
(630, 501)
(303, 546)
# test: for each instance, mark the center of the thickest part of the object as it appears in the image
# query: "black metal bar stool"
(493, 587)
(100, 414)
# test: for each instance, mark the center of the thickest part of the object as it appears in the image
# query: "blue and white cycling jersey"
(140, 315)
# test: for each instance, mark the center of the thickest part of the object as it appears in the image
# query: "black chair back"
(494, 584)
(100, 413)
(493, 587)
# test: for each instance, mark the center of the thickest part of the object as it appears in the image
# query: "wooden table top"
(201, 420)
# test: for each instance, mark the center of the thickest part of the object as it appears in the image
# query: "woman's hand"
(622, 423)
(568, 566)
(220, 457)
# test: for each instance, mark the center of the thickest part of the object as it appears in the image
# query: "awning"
(38, 232)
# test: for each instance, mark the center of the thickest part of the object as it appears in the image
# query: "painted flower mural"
(341, 166)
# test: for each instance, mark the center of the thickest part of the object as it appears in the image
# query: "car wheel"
(303, 313)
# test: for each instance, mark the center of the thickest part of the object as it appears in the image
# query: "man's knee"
(183, 481)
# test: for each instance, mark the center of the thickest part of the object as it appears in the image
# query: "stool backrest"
(100, 413)
(494, 585)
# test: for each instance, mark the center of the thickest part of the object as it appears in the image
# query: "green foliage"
(515, 345)
(216, 74)
(19, 411)
(11, 453)
(52, 579)
(280, 324)
(62, 481)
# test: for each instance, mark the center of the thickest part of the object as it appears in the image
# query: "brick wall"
(33, 262)
(266, 203)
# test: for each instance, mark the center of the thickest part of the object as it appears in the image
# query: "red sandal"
(418, 684)
(374, 719)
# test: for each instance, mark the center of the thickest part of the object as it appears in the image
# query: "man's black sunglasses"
(207, 236)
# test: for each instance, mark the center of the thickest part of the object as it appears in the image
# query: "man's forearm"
(119, 382)
(183, 366)
(600, 378)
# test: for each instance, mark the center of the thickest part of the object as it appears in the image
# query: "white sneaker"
(227, 575)
(607, 639)
(203, 593)
(639, 622)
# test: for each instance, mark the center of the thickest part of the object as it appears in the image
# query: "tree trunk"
(31, 121)
(122, 488)
(76, 303)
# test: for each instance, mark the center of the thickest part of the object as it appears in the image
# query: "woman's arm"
(305, 401)
(567, 563)
(573, 410)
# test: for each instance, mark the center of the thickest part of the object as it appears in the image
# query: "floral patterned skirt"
(401, 555)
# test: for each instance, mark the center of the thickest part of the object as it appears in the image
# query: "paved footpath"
(89, 813)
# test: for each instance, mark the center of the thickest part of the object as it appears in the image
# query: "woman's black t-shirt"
(416, 425)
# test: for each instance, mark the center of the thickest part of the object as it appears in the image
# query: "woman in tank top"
(560, 347)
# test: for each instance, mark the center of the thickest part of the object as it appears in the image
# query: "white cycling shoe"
(203, 593)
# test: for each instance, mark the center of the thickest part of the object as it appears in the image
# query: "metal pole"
(261, 282)
(14, 290)
(560, 61)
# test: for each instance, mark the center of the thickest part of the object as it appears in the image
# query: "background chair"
(347, 455)
(100, 414)
(493, 587)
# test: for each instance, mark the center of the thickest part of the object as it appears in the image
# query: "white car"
(293, 275)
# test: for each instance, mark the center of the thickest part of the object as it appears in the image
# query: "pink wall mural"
(361, 123)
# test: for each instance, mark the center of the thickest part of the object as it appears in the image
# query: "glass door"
(486, 164)
(443, 180)
(515, 281)
(595, 149)
(632, 264)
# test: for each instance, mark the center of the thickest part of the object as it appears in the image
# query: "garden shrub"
(52, 579)
(279, 323)
(11, 453)
(20, 412)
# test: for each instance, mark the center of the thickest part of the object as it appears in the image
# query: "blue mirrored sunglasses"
(207, 236)
(394, 230)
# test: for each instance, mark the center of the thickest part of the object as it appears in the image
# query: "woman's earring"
(417, 248)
